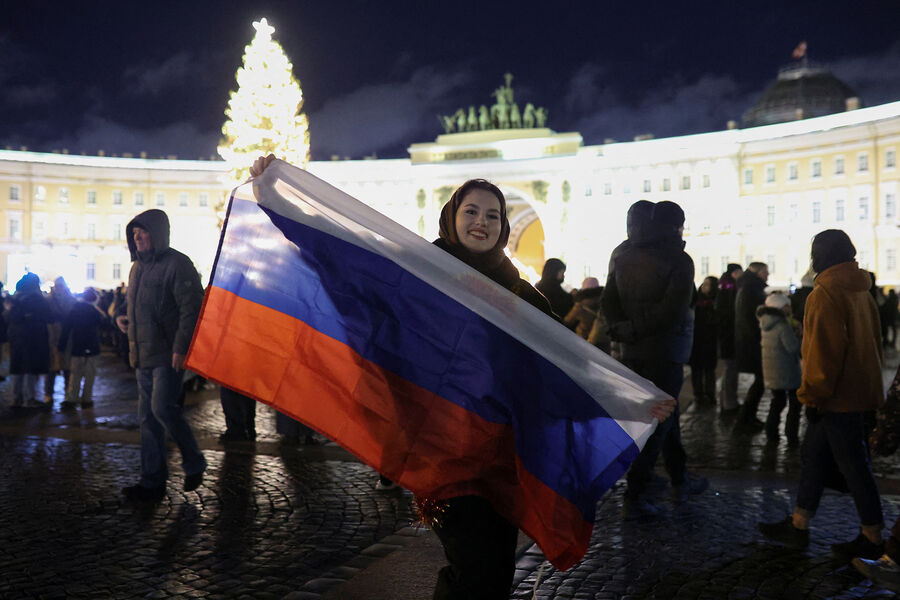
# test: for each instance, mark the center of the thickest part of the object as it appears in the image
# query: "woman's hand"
(662, 409)
(260, 164)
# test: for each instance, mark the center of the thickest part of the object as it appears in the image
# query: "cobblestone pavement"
(270, 521)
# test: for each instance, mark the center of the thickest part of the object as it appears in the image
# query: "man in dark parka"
(164, 297)
(751, 293)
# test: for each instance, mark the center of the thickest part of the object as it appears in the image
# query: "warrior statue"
(515, 120)
(540, 116)
(528, 117)
(472, 124)
(484, 119)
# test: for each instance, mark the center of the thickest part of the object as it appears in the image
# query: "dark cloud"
(875, 77)
(175, 71)
(388, 116)
(29, 95)
(97, 133)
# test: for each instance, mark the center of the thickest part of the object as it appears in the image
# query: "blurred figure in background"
(29, 346)
(725, 298)
(61, 301)
(550, 286)
(704, 352)
(81, 335)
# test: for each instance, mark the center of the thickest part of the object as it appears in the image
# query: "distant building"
(758, 193)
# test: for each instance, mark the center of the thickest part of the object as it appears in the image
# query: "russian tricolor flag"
(426, 370)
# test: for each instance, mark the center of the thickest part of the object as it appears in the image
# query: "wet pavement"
(306, 522)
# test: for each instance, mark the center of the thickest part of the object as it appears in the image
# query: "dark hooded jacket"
(648, 300)
(164, 296)
(725, 299)
(550, 286)
(751, 293)
(29, 315)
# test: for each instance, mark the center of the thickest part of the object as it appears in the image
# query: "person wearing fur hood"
(781, 364)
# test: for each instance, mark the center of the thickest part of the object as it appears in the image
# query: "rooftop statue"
(503, 114)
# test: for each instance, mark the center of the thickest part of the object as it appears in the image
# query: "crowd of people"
(817, 349)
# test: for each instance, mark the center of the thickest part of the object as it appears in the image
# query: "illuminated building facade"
(759, 193)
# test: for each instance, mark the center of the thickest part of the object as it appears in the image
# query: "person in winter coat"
(81, 335)
(586, 309)
(163, 302)
(3, 337)
(841, 365)
(781, 364)
(61, 301)
(889, 319)
(751, 293)
(704, 355)
(725, 297)
(550, 285)
(29, 346)
(798, 298)
(647, 303)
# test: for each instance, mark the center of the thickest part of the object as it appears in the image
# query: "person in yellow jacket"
(841, 364)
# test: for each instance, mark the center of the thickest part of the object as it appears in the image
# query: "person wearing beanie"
(648, 306)
(29, 345)
(725, 299)
(798, 298)
(841, 381)
(81, 336)
(781, 364)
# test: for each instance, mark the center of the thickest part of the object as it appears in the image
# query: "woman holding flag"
(478, 541)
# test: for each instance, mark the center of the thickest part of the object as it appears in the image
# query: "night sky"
(156, 76)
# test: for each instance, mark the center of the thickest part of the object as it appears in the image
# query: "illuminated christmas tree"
(264, 113)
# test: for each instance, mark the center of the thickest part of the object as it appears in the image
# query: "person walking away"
(889, 319)
(781, 365)
(29, 345)
(725, 297)
(647, 302)
(751, 293)
(704, 355)
(841, 366)
(61, 301)
(81, 334)
(550, 285)
(163, 302)
(583, 313)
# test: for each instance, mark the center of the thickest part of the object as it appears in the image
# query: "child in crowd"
(781, 364)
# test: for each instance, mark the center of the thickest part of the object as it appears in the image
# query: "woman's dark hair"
(448, 213)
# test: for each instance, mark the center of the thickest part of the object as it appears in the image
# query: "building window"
(117, 198)
(182, 199)
(63, 226)
(770, 216)
(795, 211)
(748, 259)
(40, 193)
(667, 185)
(891, 259)
(607, 189)
(748, 176)
(117, 271)
(646, 186)
(160, 198)
(91, 197)
(91, 271)
(890, 206)
(139, 198)
(704, 265)
(816, 168)
(770, 174)
(203, 197)
(890, 159)
(792, 172)
(15, 227)
(770, 263)
(839, 210)
(723, 264)
(863, 208)
(705, 181)
(839, 165)
(15, 193)
(92, 231)
(63, 195)
(626, 189)
(817, 212)
(686, 182)
(118, 232)
(862, 163)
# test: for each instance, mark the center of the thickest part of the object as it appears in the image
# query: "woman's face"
(478, 221)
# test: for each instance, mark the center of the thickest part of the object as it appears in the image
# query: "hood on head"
(637, 222)
(154, 221)
(846, 275)
(768, 316)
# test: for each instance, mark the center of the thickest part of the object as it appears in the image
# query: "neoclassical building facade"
(758, 193)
